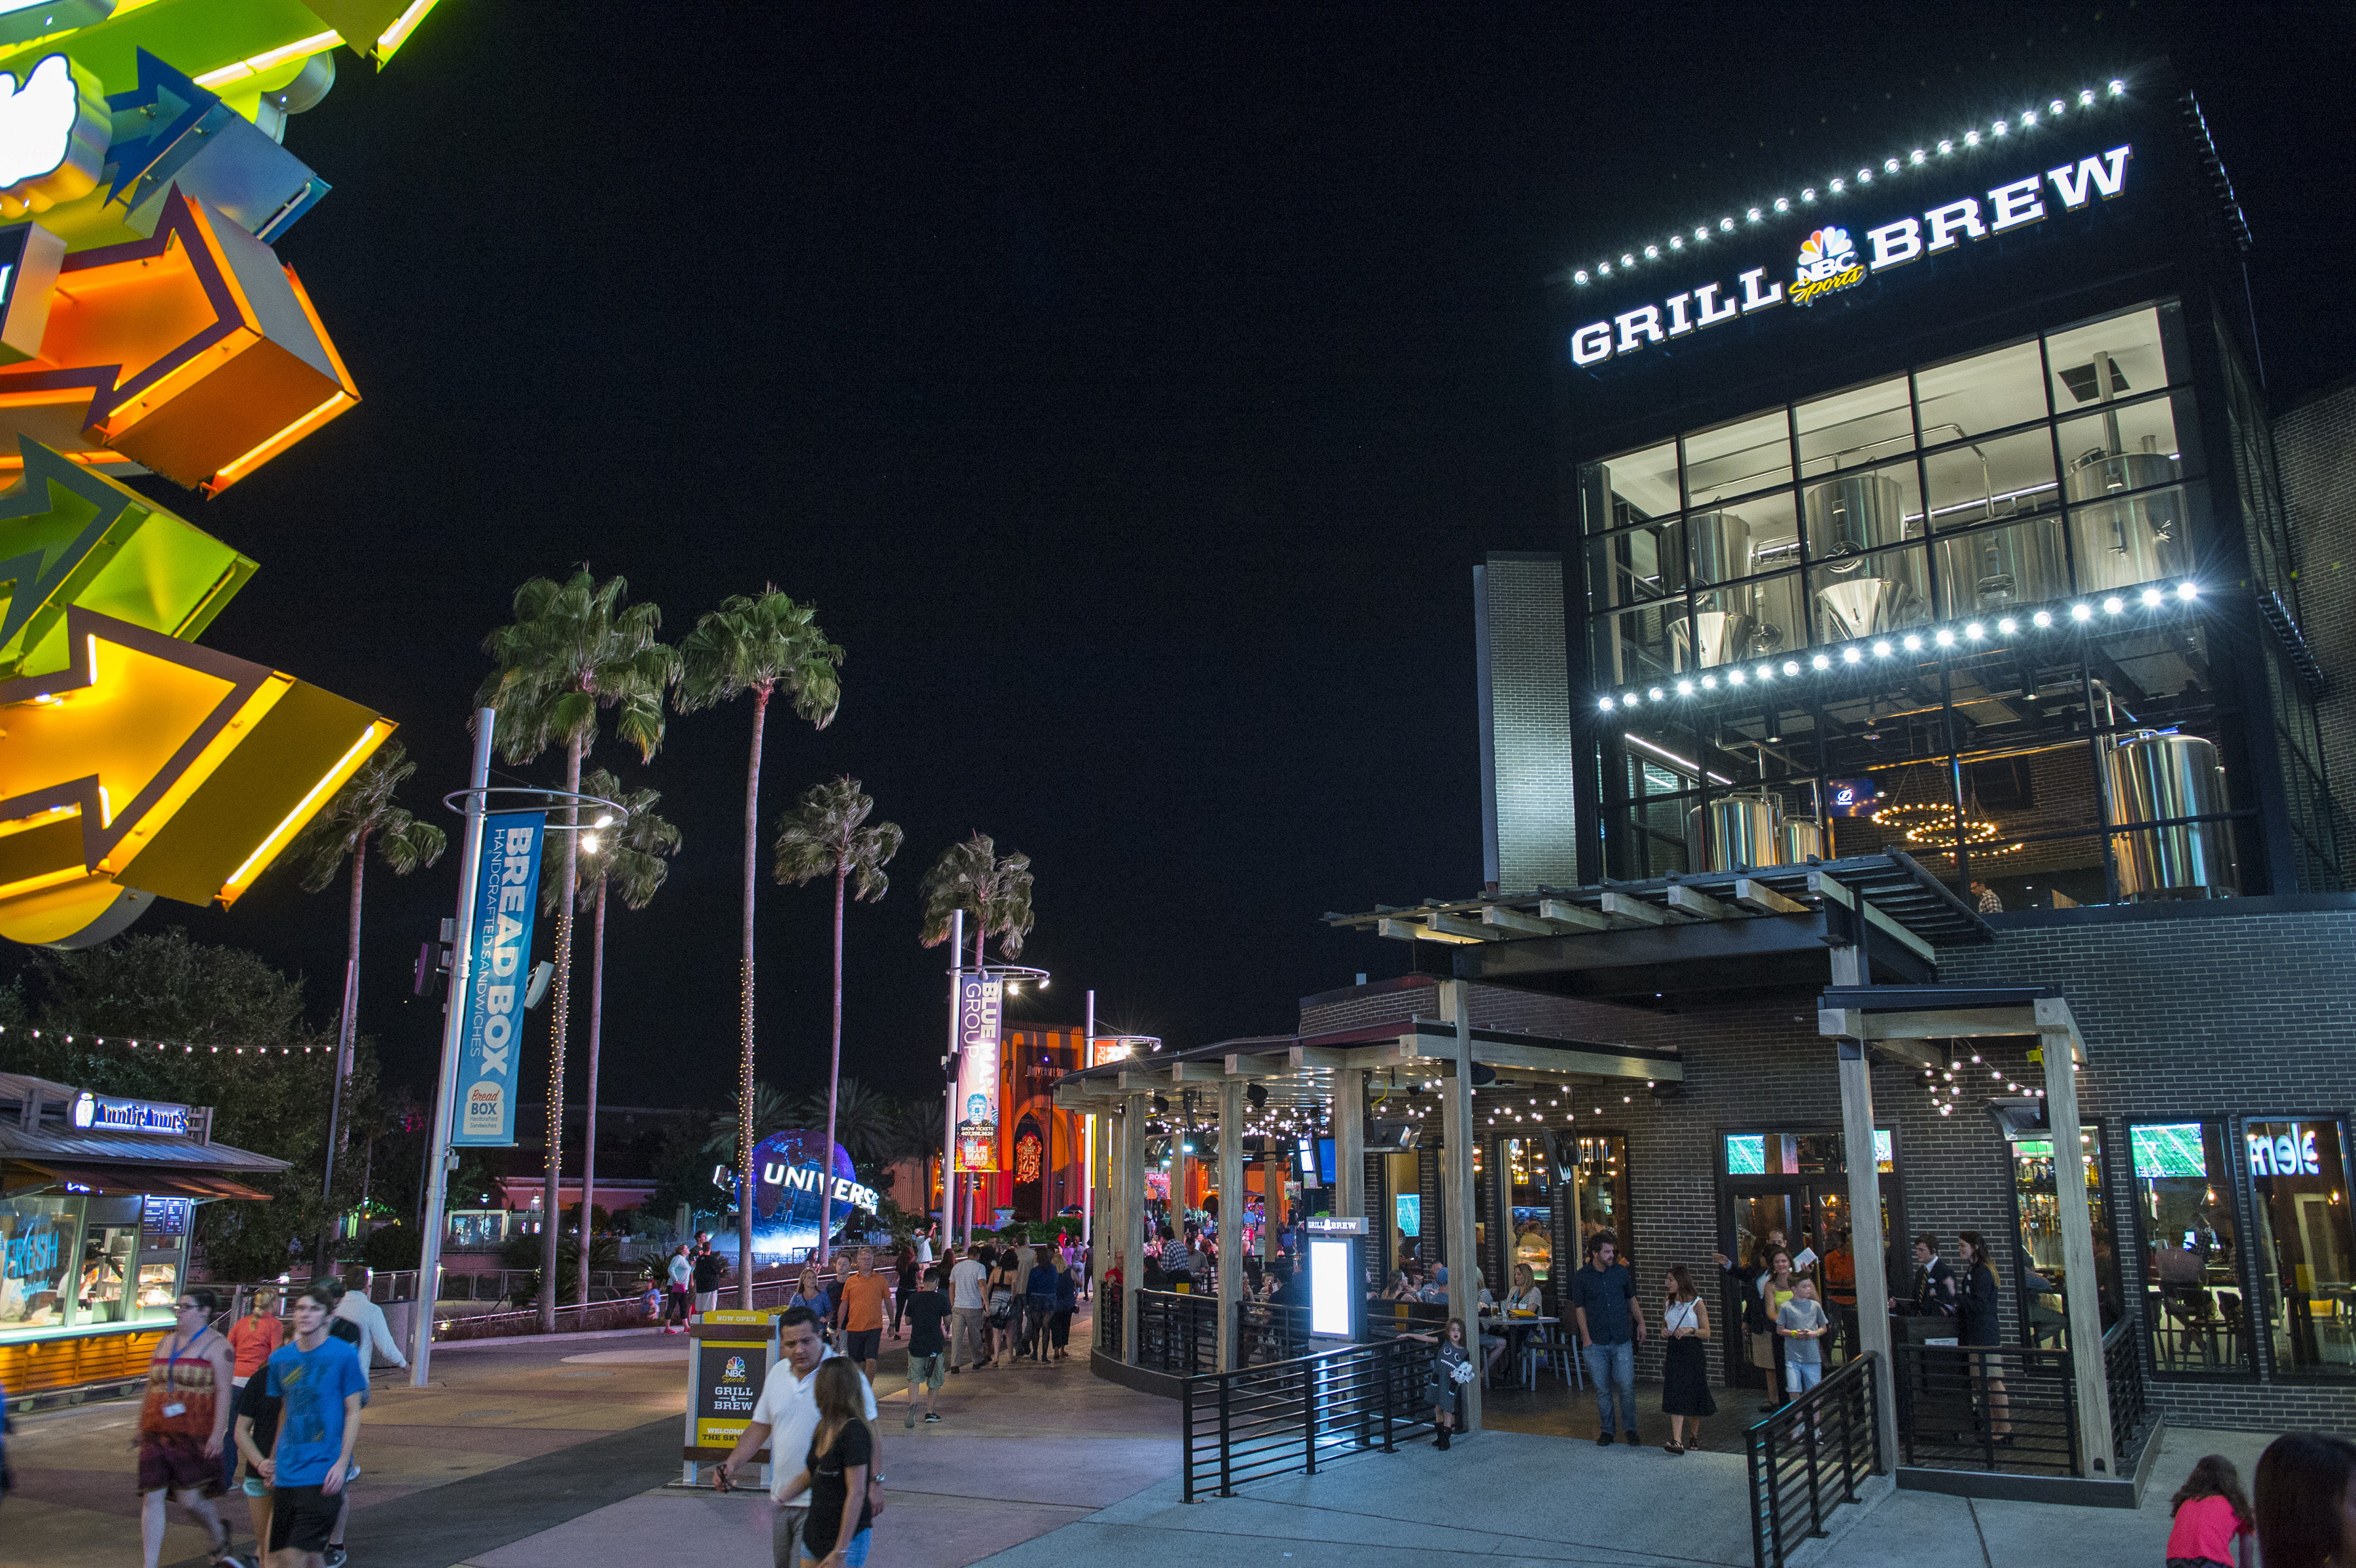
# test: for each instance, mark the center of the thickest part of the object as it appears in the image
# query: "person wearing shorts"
(929, 1358)
(319, 1383)
(865, 1295)
(257, 1433)
(707, 1268)
(183, 1424)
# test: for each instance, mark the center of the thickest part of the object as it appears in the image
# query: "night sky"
(1132, 389)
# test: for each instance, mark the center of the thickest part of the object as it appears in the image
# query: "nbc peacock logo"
(1829, 264)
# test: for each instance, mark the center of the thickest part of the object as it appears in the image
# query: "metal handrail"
(1271, 1420)
(1809, 1456)
(1951, 1399)
(1177, 1332)
(2131, 1410)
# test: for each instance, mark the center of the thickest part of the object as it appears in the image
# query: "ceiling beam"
(1849, 898)
(1515, 923)
(1628, 906)
(1412, 931)
(1456, 926)
(1592, 1061)
(1693, 901)
(1752, 894)
(1563, 912)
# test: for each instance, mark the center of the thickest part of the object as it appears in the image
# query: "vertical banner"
(981, 1005)
(498, 961)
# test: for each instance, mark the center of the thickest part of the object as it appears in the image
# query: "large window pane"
(2305, 1256)
(1753, 453)
(2125, 446)
(1641, 484)
(2007, 475)
(1531, 1173)
(1854, 428)
(1635, 566)
(1637, 646)
(1740, 540)
(2043, 1272)
(2129, 348)
(39, 1241)
(2192, 1308)
(2143, 539)
(1648, 839)
(1999, 569)
(1597, 1171)
(1861, 595)
(1987, 392)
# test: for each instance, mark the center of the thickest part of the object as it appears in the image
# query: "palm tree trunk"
(833, 1078)
(589, 1132)
(560, 1013)
(345, 1035)
(745, 1132)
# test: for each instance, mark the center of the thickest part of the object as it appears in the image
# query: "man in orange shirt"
(865, 1295)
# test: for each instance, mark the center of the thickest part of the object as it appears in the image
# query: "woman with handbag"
(1005, 1285)
(1452, 1369)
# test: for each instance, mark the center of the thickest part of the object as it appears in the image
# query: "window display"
(2193, 1313)
(37, 1237)
(2305, 1256)
(2040, 1268)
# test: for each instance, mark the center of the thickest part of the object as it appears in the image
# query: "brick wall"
(2314, 447)
(2246, 1007)
(1527, 689)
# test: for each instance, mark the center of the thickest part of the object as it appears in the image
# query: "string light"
(2027, 120)
(185, 1047)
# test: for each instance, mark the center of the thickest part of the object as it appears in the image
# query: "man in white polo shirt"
(786, 1419)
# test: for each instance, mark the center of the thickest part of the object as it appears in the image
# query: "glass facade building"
(1981, 556)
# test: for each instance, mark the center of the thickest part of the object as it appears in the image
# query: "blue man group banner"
(498, 961)
(981, 1002)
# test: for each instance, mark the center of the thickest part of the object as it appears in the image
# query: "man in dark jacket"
(709, 1268)
(1934, 1281)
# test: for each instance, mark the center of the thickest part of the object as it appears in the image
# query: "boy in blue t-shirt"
(320, 1380)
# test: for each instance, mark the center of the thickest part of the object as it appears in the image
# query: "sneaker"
(334, 1556)
(1603, 1440)
(932, 1417)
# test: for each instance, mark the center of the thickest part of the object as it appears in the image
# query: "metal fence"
(2132, 1414)
(1266, 1332)
(1808, 1457)
(1107, 1320)
(1247, 1425)
(2009, 1409)
(1177, 1332)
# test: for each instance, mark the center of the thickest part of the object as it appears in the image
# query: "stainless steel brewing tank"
(1796, 839)
(2155, 777)
(1846, 517)
(1720, 542)
(2132, 541)
(1741, 831)
(1853, 514)
(2000, 568)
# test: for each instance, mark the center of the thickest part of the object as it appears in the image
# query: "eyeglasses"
(189, 1306)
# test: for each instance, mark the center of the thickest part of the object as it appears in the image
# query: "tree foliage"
(993, 890)
(361, 810)
(243, 1021)
(575, 647)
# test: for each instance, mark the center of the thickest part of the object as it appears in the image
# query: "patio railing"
(1177, 1332)
(2010, 1408)
(1807, 1458)
(1246, 1425)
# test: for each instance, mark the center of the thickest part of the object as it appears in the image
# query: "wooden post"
(1869, 1248)
(1132, 1209)
(1349, 1142)
(1456, 1190)
(2080, 1298)
(1231, 1215)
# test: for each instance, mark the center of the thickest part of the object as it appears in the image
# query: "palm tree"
(993, 890)
(772, 1112)
(862, 1117)
(756, 645)
(627, 860)
(363, 811)
(826, 836)
(572, 650)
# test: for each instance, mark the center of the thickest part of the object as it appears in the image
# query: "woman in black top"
(908, 1285)
(841, 1453)
(1978, 1328)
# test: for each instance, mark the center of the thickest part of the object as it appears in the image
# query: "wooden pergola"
(1255, 1086)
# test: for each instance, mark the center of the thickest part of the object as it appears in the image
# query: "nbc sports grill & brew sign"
(498, 957)
(730, 1361)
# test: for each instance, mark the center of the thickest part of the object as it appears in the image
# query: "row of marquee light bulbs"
(1854, 655)
(1920, 157)
(1304, 1118)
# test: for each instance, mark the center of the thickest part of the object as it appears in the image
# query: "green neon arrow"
(68, 536)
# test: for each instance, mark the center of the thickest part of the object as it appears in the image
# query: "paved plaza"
(562, 1452)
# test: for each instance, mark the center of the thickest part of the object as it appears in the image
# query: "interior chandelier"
(1933, 827)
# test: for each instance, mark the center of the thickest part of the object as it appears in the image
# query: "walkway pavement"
(562, 1452)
